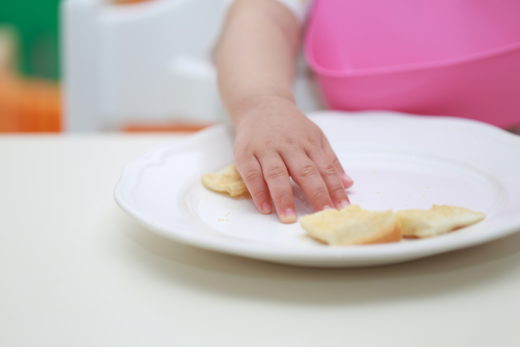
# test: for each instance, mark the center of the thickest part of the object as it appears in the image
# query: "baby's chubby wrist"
(261, 104)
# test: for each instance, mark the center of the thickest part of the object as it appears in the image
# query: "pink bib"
(438, 57)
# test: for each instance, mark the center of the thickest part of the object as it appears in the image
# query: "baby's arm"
(256, 61)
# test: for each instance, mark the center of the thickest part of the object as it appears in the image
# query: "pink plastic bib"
(436, 57)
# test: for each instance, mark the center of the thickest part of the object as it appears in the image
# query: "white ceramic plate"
(396, 161)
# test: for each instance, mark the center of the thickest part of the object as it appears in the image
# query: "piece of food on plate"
(226, 181)
(439, 219)
(352, 225)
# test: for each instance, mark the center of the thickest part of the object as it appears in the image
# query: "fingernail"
(289, 216)
(327, 207)
(266, 208)
(346, 179)
(343, 204)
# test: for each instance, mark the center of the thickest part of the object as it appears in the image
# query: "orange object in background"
(129, 1)
(164, 128)
(34, 106)
(29, 105)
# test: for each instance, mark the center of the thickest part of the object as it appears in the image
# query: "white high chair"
(146, 63)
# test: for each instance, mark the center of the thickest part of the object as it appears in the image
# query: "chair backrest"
(148, 62)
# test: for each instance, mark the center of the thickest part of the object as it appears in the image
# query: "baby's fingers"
(331, 156)
(277, 179)
(306, 174)
(251, 172)
(332, 178)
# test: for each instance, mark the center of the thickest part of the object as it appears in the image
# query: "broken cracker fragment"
(438, 220)
(352, 225)
(227, 181)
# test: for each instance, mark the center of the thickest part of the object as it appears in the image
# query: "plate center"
(383, 180)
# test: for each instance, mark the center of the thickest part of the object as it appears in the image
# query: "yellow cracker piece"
(352, 226)
(440, 219)
(226, 181)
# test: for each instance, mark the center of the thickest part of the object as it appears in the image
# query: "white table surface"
(76, 271)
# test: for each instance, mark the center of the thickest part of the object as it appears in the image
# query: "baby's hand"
(274, 140)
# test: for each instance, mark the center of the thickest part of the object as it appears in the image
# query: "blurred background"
(29, 66)
(114, 65)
